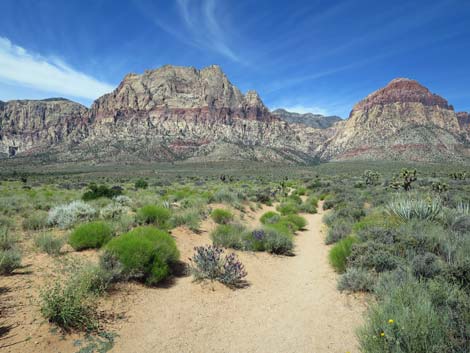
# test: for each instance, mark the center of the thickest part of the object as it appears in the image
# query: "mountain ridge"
(183, 113)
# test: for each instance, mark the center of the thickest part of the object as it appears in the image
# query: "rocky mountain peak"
(402, 90)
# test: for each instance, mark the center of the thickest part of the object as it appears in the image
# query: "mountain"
(181, 113)
(402, 121)
(317, 121)
(33, 126)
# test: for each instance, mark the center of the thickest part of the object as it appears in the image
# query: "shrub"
(461, 225)
(189, 217)
(299, 221)
(276, 242)
(35, 221)
(373, 256)
(405, 321)
(113, 211)
(66, 216)
(230, 236)
(286, 208)
(69, 306)
(7, 241)
(356, 280)
(122, 200)
(90, 235)
(145, 252)
(426, 265)
(10, 260)
(270, 217)
(338, 231)
(310, 205)
(48, 243)
(141, 184)
(210, 262)
(95, 192)
(156, 215)
(221, 216)
(339, 253)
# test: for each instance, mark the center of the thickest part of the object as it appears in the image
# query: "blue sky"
(320, 56)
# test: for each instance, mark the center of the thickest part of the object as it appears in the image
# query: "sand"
(290, 305)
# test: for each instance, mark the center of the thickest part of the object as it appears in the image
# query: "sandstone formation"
(181, 113)
(317, 121)
(33, 126)
(403, 121)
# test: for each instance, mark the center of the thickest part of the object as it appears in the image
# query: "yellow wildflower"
(382, 334)
(391, 321)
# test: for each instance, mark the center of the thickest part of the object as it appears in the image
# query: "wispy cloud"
(20, 67)
(200, 25)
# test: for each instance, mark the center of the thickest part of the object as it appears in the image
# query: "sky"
(305, 56)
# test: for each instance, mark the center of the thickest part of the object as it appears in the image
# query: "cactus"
(439, 187)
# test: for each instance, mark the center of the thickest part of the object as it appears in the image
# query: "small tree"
(404, 179)
(371, 177)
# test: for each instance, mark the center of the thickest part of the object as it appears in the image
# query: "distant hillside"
(316, 121)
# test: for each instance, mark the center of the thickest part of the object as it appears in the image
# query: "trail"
(291, 305)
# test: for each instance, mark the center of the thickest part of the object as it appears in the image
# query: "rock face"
(33, 126)
(316, 121)
(175, 113)
(181, 113)
(403, 121)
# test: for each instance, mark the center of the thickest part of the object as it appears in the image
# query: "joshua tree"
(404, 179)
(371, 177)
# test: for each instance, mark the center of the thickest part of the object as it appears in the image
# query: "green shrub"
(49, 243)
(141, 184)
(283, 226)
(374, 256)
(95, 192)
(356, 280)
(90, 235)
(270, 217)
(10, 260)
(35, 221)
(156, 215)
(461, 225)
(230, 236)
(299, 221)
(7, 240)
(339, 253)
(221, 216)
(146, 253)
(286, 208)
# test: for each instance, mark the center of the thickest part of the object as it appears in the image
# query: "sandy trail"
(291, 305)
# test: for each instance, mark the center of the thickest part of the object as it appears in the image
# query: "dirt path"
(292, 305)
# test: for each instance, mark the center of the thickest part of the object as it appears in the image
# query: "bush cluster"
(65, 216)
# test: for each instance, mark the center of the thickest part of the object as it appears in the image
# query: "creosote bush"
(90, 235)
(95, 192)
(210, 262)
(145, 253)
(141, 184)
(221, 216)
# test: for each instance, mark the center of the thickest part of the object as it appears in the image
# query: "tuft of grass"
(339, 253)
(49, 243)
(156, 215)
(35, 221)
(270, 217)
(221, 216)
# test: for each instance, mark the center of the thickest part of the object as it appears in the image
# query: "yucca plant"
(409, 208)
